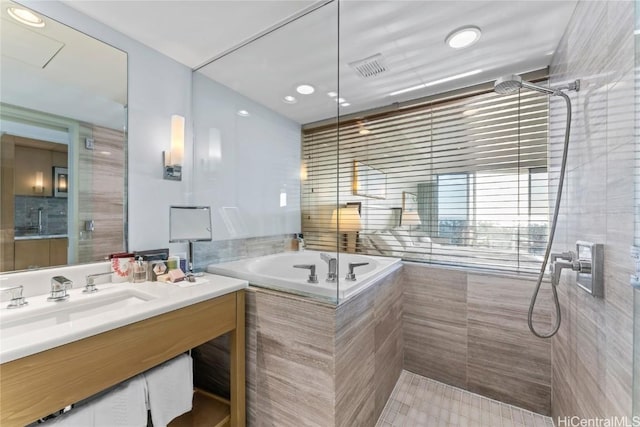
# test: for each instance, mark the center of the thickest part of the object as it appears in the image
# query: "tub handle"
(351, 276)
(312, 272)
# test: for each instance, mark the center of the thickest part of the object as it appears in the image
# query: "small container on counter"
(139, 271)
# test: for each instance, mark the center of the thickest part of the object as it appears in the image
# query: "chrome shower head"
(506, 85)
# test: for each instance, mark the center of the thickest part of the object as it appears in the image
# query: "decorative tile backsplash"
(54, 215)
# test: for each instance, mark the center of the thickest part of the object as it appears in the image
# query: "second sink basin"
(78, 307)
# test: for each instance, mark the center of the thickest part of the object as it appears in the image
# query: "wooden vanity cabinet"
(37, 253)
(40, 384)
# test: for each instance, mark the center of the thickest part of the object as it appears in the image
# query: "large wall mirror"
(63, 125)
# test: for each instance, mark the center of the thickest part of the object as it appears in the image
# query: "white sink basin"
(43, 325)
(76, 309)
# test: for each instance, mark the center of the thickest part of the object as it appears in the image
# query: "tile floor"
(419, 401)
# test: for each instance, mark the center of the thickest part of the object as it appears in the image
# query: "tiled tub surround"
(316, 364)
(593, 351)
(470, 330)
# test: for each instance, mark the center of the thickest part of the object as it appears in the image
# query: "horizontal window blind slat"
(463, 181)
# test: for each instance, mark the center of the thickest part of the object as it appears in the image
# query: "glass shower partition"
(263, 183)
(636, 312)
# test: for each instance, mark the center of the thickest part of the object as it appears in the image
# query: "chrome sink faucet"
(332, 275)
(90, 287)
(17, 300)
(59, 286)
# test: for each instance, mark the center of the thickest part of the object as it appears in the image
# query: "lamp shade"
(411, 218)
(345, 219)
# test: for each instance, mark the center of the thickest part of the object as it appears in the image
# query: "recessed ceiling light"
(364, 131)
(345, 104)
(305, 89)
(243, 113)
(332, 94)
(25, 17)
(289, 99)
(340, 100)
(463, 37)
(436, 82)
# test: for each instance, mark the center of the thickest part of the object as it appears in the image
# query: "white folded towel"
(123, 405)
(170, 388)
(81, 416)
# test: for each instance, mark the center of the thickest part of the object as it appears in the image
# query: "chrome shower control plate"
(590, 275)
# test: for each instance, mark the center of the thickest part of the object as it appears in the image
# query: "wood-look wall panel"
(7, 202)
(593, 351)
(505, 361)
(314, 364)
(389, 339)
(470, 330)
(355, 361)
(101, 193)
(435, 323)
(294, 374)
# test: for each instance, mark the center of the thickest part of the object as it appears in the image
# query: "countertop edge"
(227, 286)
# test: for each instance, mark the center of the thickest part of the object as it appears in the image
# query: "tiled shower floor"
(419, 401)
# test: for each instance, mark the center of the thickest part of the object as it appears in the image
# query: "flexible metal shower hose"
(552, 232)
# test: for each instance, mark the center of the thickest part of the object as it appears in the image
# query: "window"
(477, 166)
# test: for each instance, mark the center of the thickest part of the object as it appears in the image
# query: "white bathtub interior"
(277, 272)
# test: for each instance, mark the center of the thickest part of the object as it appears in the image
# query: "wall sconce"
(172, 161)
(39, 182)
(60, 182)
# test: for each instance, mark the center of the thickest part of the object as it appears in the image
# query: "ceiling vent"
(369, 67)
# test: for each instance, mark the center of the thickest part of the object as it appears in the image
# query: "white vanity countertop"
(42, 332)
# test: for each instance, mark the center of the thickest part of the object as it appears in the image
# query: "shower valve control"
(587, 261)
(590, 257)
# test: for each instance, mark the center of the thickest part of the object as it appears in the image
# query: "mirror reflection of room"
(40, 201)
(62, 120)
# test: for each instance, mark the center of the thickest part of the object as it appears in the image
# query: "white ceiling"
(517, 36)
(61, 71)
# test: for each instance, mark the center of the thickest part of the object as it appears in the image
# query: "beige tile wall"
(592, 353)
(314, 364)
(470, 330)
(101, 194)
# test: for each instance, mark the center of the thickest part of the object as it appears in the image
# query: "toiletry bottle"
(300, 243)
(139, 271)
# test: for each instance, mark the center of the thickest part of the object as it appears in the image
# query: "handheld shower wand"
(509, 84)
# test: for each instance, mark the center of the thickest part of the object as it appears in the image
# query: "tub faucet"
(59, 286)
(351, 276)
(332, 275)
(312, 272)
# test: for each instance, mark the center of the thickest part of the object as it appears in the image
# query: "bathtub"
(277, 272)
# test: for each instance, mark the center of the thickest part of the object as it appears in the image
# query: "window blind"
(461, 182)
